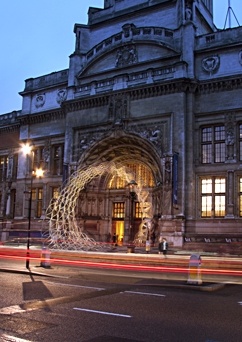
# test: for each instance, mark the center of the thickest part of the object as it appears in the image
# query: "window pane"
(219, 153)
(207, 186)
(219, 206)
(207, 134)
(219, 133)
(219, 185)
(207, 154)
(206, 206)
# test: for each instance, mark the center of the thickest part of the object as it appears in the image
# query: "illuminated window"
(37, 198)
(141, 174)
(213, 197)
(138, 210)
(118, 210)
(213, 144)
(55, 192)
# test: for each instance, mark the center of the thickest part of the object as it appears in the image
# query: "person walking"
(163, 247)
(114, 239)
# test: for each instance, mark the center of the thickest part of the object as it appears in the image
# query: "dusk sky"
(37, 38)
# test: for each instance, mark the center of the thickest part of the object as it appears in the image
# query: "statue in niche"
(46, 152)
(10, 165)
(118, 108)
(188, 14)
(230, 139)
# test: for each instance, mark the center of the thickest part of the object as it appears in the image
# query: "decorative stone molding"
(211, 64)
(154, 133)
(39, 100)
(61, 96)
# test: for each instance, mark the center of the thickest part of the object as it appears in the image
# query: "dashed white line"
(8, 338)
(103, 312)
(145, 293)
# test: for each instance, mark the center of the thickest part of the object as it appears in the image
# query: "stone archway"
(107, 156)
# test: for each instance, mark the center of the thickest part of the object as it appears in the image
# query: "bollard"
(194, 275)
(147, 246)
(45, 257)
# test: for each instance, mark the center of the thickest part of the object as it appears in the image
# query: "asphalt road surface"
(96, 307)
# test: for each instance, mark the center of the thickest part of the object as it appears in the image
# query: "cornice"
(11, 128)
(219, 85)
(42, 117)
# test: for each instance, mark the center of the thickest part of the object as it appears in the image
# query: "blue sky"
(37, 38)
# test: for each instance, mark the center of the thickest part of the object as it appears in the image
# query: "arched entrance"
(97, 202)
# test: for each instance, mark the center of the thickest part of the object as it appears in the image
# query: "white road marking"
(240, 303)
(12, 310)
(7, 338)
(79, 286)
(145, 293)
(103, 312)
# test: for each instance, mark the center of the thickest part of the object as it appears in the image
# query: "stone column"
(230, 199)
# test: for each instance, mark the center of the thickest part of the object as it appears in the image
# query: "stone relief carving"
(211, 64)
(86, 140)
(155, 133)
(126, 55)
(39, 100)
(240, 57)
(61, 96)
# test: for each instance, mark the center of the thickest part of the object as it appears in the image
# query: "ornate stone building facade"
(152, 86)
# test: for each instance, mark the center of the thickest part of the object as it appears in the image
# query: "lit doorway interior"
(119, 231)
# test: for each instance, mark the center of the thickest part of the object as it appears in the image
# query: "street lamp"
(27, 150)
(132, 187)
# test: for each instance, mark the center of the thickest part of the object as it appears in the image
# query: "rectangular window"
(213, 197)
(213, 145)
(37, 201)
(55, 192)
(3, 168)
(118, 210)
(138, 210)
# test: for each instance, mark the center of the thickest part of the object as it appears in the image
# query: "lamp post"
(132, 185)
(28, 151)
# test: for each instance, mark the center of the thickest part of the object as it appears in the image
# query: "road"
(103, 306)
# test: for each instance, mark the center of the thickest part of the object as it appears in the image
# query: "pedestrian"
(163, 247)
(114, 239)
